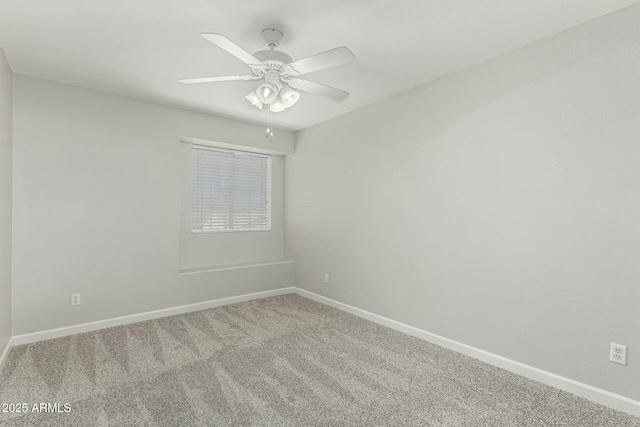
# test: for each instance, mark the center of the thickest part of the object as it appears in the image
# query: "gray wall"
(97, 182)
(498, 207)
(6, 123)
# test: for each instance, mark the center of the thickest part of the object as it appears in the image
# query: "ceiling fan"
(279, 74)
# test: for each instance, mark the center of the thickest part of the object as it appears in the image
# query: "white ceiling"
(141, 48)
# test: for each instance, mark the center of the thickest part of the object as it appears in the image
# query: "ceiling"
(141, 48)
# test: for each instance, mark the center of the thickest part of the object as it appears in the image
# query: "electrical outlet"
(75, 299)
(326, 279)
(618, 354)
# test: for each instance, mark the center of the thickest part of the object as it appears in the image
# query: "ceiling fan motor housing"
(273, 59)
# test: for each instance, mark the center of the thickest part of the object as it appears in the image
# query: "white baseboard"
(5, 353)
(594, 394)
(141, 317)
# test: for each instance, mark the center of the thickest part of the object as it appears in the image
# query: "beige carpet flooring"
(282, 361)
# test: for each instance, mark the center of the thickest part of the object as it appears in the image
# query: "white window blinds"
(231, 190)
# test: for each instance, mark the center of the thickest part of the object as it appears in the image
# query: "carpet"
(281, 361)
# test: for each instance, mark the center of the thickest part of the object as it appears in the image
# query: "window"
(231, 190)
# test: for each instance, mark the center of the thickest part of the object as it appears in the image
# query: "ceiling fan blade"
(218, 79)
(330, 58)
(319, 89)
(232, 48)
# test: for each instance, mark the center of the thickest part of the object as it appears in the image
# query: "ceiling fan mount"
(272, 37)
(278, 71)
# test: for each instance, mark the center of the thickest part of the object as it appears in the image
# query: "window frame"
(268, 183)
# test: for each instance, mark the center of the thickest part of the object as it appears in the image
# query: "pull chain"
(269, 132)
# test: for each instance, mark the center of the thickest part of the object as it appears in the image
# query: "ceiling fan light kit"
(254, 100)
(267, 93)
(278, 72)
(289, 96)
(277, 106)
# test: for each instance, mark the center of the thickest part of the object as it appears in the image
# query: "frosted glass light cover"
(267, 93)
(289, 96)
(277, 106)
(254, 100)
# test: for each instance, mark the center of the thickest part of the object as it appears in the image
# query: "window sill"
(233, 267)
